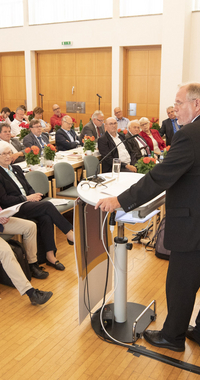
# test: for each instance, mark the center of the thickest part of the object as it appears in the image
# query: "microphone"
(99, 95)
(95, 178)
(41, 94)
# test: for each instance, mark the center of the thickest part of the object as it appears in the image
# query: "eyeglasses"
(112, 124)
(39, 126)
(67, 122)
(91, 185)
(143, 125)
(6, 154)
(179, 104)
(56, 109)
(100, 121)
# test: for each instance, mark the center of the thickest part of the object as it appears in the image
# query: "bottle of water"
(42, 158)
(161, 158)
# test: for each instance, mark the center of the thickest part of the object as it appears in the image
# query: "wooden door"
(142, 81)
(12, 80)
(75, 75)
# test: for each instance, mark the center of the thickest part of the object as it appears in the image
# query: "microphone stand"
(95, 177)
(99, 96)
(41, 100)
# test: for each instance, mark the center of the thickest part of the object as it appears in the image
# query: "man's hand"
(16, 155)
(34, 197)
(108, 204)
(131, 168)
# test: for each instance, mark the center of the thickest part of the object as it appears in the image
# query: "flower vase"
(49, 164)
(88, 152)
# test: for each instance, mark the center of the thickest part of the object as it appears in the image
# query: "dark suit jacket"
(167, 129)
(105, 145)
(134, 147)
(179, 175)
(90, 130)
(20, 148)
(30, 140)
(63, 142)
(10, 193)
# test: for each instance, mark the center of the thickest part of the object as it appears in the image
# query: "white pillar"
(30, 74)
(175, 50)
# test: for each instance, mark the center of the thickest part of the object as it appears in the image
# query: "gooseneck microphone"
(95, 177)
(99, 95)
(41, 94)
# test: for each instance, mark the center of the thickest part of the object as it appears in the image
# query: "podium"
(122, 321)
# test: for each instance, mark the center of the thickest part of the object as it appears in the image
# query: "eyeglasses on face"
(6, 154)
(67, 122)
(179, 104)
(100, 121)
(143, 125)
(112, 124)
(56, 109)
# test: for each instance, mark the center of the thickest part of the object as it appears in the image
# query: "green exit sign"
(67, 43)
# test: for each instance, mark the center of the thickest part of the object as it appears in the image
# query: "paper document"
(58, 202)
(129, 217)
(10, 211)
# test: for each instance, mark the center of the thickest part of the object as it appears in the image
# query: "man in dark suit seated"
(110, 140)
(66, 138)
(169, 126)
(137, 145)
(95, 126)
(179, 175)
(36, 136)
(15, 145)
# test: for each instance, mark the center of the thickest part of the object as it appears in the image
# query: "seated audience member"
(36, 136)
(28, 230)
(137, 145)
(25, 110)
(5, 113)
(37, 115)
(95, 126)
(169, 126)
(108, 141)
(66, 138)
(121, 120)
(11, 265)
(14, 189)
(19, 116)
(16, 147)
(151, 136)
(57, 117)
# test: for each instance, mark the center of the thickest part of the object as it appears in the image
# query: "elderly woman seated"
(151, 136)
(37, 115)
(15, 189)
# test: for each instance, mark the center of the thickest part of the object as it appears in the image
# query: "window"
(51, 11)
(12, 13)
(141, 7)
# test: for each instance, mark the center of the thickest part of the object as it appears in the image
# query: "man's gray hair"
(136, 121)
(19, 109)
(96, 114)
(193, 91)
(168, 108)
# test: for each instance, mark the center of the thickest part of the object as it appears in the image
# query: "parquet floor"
(46, 342)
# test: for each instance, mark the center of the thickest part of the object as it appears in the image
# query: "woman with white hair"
(14, 189)
(151, 136)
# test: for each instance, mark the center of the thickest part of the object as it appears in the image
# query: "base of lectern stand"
(124, 331)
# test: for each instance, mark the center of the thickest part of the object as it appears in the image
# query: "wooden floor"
(47, 343)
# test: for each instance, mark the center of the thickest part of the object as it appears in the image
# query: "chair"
(91, 164)
(64, 176)
(40, 183)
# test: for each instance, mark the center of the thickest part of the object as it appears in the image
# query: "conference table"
(74, 157)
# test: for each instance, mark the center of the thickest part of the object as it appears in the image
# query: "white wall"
(177, 32)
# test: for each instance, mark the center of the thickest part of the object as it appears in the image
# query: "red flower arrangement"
(24, 131)
(89, 143)
(57, 126)
(30, 115)
(145, 164)
(49, 152)
(154, 123)
(32, 155)
(122, 132)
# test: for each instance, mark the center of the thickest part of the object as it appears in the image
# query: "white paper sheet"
(58, 201)
(10, 211)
